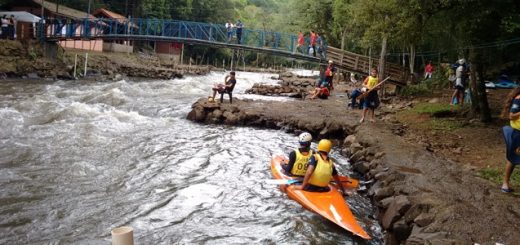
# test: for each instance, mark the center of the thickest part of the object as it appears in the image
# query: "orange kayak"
(330, 205)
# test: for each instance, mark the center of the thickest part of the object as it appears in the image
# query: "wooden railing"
(361, 64)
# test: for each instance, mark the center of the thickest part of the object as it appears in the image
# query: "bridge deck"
(281, 44)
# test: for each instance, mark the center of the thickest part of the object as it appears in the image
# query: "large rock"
(197, 114)
(396, 209)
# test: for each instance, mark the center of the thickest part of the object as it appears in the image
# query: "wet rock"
(197, 114)
(414, 211)
(401, 230)
(424, 219)
(349, 140)
(396, 209)
(383, 193)
(358, 156)
(383, 204)
(390, 239)
(32, 75)
(355, 147)
(361, 167)
(420, 237)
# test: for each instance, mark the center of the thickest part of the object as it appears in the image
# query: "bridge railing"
(179, 31)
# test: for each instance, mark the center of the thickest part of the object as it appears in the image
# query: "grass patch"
(426, 87)
(432, 108)
(496, 175)
(432, 116)
(445, 124)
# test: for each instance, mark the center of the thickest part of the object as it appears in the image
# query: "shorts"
(512, 140)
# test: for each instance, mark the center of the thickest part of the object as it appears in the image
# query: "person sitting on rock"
(320, 170)
(321, 91)
(225, 88)
(299, 158)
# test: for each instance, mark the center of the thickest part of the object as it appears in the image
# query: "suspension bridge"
(213, 35)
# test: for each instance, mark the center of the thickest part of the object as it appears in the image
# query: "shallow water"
(80, 158)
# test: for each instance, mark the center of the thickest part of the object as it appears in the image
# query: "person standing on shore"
(511, 111)
(428, 70)
(460, 80)
(371, 99)
(329, 74)
(239, 26)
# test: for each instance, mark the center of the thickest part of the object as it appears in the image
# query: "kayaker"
(320, 170)
(299, 158)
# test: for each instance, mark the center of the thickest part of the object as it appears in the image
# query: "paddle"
(294, 181)
(365, 94)
(282, 181)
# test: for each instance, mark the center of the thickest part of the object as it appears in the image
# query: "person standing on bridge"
(313, 43)
(239, 27)
(229, 29)
(301, 42)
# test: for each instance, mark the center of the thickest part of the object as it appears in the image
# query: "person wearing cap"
(511, 112)
(321, 170)
(225, 88)
(329, 74)
(299, 158)
(460, 76)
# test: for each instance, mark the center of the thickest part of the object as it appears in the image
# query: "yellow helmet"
(325, 145)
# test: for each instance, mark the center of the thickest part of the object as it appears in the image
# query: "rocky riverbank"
(30, 60)
(422, 198)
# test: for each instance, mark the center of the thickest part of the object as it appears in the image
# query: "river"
(79, 158)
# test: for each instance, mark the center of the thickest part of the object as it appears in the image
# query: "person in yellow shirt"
(321, 170)
(371, 101)
(299, 158)
(511, 132)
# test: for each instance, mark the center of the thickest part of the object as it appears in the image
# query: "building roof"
(108, 14)
(21, 16)
(62, 10)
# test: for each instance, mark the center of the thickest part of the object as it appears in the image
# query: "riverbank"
(424, 197)
(30, 60)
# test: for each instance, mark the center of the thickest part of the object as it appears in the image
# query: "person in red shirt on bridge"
(313, 43)
(301, 42)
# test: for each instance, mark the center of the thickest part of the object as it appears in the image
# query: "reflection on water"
(80, 158)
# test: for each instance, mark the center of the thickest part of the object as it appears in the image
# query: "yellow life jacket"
(372, 82)
(301, 163)
(322, 172)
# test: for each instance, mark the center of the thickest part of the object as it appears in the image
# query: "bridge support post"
(182, 54)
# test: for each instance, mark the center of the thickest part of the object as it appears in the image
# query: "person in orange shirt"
(301, 42)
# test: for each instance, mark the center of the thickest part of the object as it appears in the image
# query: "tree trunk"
(479, 102)
(343, 38)
(382, 63)
(412, 58)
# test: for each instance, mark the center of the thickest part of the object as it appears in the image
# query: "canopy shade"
(21, 16)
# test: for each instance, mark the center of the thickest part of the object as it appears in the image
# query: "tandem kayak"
(330, 205)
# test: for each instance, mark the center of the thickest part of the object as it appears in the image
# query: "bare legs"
(364, 113)
(507, 176)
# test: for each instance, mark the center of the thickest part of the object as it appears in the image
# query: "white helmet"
(462, 61)
(305, 138)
